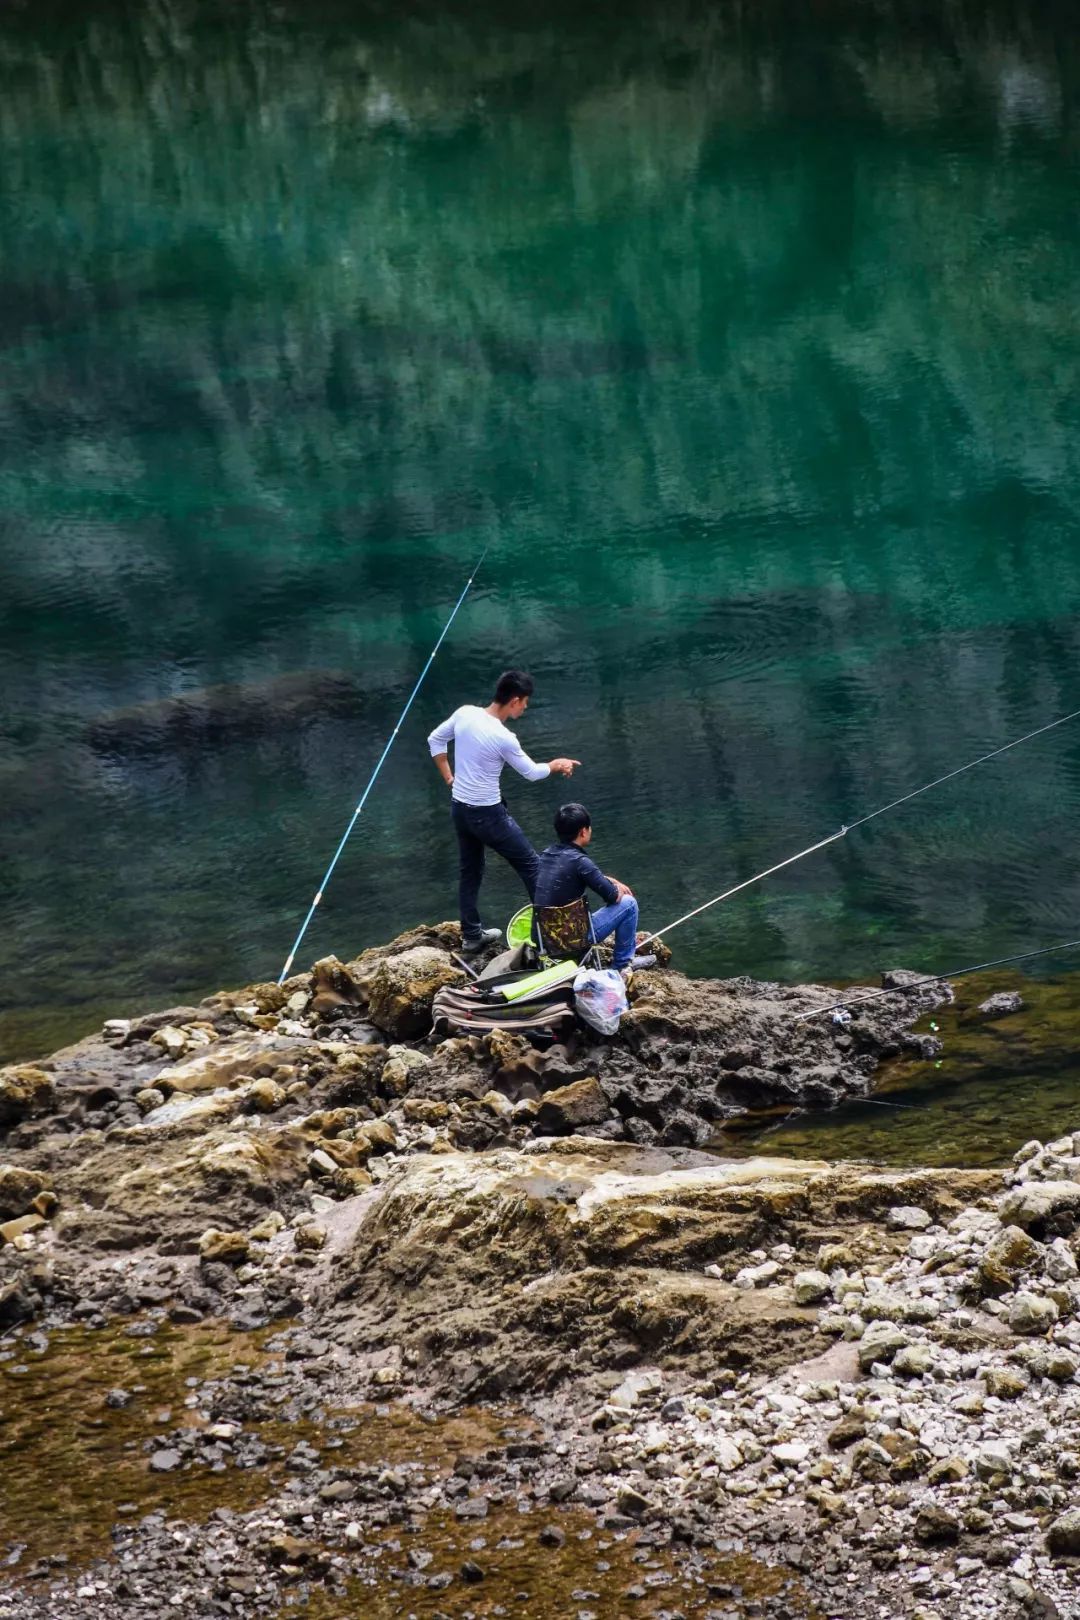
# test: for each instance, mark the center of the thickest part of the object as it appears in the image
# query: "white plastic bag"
(600, 998)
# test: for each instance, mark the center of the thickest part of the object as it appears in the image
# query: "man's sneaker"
(479, 942)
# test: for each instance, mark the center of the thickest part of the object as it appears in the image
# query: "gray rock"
(164, 1462)
(1061, 1263)
(935, 1525)
(1009, 1254)
(993, 1459)
(1033, 1203)
(1033, 1601)
(1062, 1365)
(790, 1454)
(631, 1502)
(880, 1342)
(908, 1218)
(726, 1455)
(1006, 1383)
(1031, 1313)
(915, 1360)
(1063, 1536)
(1005, 1001)
(757, 1276)
(810, 1286)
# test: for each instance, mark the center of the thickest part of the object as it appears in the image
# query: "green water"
(996, 1084)
(745, 335)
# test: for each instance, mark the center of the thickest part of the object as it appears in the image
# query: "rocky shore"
(494, 1333)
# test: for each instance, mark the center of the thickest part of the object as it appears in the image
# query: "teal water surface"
(746, 338)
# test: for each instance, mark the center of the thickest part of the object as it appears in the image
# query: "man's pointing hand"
(562, 767)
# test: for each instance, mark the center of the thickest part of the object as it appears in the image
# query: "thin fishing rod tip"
(382, 757)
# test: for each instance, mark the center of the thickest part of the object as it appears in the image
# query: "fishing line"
(371, 781)
(850, 827)
(935, 978)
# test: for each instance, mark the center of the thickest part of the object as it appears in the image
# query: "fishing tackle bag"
(476, 1009)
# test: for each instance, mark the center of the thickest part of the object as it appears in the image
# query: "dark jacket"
(565, 873)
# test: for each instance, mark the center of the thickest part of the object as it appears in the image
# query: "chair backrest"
(565, 931)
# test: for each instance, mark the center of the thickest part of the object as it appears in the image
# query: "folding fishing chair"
(555, 933)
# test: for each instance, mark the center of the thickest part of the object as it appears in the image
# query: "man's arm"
(515, 755)
(438, 742)
(596, 880)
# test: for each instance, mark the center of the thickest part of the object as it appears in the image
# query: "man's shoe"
(488, 936)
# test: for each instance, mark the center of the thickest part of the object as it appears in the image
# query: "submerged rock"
(214, 714)
(999, 1005)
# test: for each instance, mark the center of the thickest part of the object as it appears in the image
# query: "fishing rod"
(861, 822)
(371, 780)
(934, 978)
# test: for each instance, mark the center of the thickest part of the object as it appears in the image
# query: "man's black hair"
(570, 820)
(513, 683)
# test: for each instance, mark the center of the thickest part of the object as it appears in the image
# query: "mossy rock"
(403, 988)
(24, 1091)
(18, 1189)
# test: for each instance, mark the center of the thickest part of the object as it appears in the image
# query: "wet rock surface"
(304, 1313)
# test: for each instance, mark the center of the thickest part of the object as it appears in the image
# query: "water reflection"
(749, 342)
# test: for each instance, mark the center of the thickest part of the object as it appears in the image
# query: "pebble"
(165, 1462)
(757, 1276)
(809, 1287)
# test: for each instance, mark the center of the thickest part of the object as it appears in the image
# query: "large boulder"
(566, 1109)
(1036, 1204)
(403, 987)
(231, 1062)
(1007, 1256)
(24, 1091)
(332, 987)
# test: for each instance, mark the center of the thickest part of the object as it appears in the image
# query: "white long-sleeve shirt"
(482, 746)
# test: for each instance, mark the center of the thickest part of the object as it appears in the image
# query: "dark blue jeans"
(483, 827)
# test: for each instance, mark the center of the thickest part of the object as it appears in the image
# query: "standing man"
(483, 744)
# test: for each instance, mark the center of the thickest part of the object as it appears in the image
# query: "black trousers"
(480, 828)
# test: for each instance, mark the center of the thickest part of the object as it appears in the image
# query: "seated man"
(566, 872)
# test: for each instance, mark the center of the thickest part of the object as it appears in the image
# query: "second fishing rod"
(894, 804)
